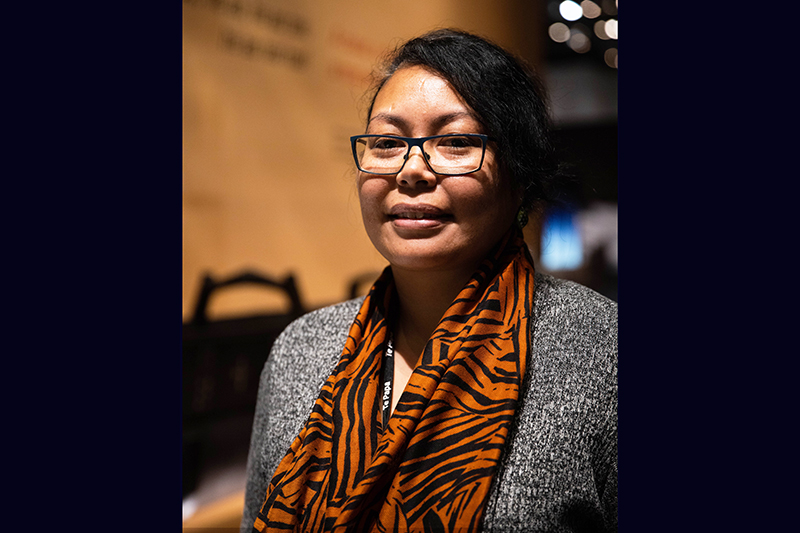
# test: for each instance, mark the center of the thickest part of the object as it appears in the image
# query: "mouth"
(415, 216)
(418, 216)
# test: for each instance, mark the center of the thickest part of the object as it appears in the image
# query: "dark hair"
(504, 92)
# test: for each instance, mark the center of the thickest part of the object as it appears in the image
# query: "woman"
(466, 392)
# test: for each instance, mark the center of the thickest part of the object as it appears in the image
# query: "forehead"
(417, 93)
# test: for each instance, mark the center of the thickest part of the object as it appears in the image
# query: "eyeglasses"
(448, 155)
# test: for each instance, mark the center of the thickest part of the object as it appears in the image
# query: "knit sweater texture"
(559, 470)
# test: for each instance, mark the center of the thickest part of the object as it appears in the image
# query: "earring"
(522, 217)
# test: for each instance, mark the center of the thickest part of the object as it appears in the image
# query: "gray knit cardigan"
(559, 470)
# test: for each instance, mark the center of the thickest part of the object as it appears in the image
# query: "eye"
(459, 141)
(386, 143)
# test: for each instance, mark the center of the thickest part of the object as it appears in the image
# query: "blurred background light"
(570, 10)
(600, 30)
(610, 7)
(611, 57)
(559, 32)
(562, 248)
(611, 28)
(590, 9)
(579, 41)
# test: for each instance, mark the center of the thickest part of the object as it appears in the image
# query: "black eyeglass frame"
(419, 141)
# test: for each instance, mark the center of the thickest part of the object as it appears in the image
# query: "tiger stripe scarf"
(431, 468)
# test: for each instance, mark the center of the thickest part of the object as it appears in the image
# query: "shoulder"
(573, 311)
(303, 356)
(559, 296)
(312, 343)
(321, 325)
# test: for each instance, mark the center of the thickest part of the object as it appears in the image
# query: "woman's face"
(418, 220)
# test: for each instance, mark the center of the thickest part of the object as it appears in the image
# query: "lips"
(416, 211)
(418, 216)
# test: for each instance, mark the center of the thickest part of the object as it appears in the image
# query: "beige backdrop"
(272, 89)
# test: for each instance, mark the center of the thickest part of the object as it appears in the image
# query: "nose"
(416, 174)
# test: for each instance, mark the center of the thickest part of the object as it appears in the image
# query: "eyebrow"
(438, 122)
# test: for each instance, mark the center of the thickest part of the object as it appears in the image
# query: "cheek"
(488, 211)
(371, 193)
(481, 199)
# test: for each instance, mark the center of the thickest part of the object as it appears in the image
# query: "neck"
(423, 300)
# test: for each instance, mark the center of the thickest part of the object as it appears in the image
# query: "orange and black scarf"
(431, 468)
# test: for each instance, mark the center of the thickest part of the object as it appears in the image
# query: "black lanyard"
(388, 382)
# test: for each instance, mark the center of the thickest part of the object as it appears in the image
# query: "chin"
(424, 259)
(420, 264)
